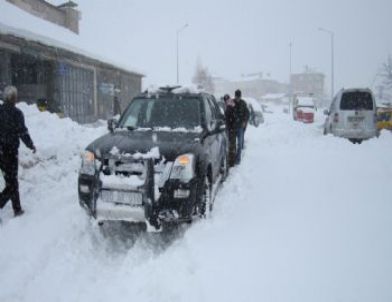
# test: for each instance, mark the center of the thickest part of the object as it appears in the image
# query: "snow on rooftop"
(16, 22)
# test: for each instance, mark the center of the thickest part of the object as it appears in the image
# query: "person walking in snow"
(230, 127)
(241, 113)
(12, 129)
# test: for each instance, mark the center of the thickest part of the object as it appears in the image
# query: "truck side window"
(208, 114)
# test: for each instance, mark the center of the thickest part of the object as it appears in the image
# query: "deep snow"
(304, 218)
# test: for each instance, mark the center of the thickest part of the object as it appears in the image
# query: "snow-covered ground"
(304, 218)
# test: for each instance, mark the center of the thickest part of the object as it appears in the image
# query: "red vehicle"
(305, 114)
(303, 109)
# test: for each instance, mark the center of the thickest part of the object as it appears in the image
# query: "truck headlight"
(183, 168)
(88, 163)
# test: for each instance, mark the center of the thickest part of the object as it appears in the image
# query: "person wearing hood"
(12, 129)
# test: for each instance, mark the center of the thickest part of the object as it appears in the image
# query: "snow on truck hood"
(170, 144)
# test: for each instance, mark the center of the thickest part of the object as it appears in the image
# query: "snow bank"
(306, 217)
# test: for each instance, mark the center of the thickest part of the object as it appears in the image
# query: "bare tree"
(386, 72)
(384, 84)
(202, 78)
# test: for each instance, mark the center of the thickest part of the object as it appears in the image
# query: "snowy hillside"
(304, 218)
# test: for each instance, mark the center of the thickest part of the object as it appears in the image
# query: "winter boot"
(19, 212)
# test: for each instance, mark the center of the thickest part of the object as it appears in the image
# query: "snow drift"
(306, 217)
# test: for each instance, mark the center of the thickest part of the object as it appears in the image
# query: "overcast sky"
(238, 37)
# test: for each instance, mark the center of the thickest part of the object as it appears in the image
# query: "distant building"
(275, 98)
(254, 86)
(308, 83)
(75, 83)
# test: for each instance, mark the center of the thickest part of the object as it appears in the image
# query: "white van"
(352, 115)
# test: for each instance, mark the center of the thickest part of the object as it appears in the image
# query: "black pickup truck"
(161, 162)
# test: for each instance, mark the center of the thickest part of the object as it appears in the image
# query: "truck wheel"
(224, 168)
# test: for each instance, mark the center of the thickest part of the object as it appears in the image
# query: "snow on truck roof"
(174, 89)
(305, 101)
(16, 22)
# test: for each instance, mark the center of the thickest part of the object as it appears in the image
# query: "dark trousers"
(9, 168)
(232, 146)
(240, 144)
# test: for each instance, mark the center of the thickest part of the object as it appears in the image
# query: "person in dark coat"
(230, 127)
(12, 129)
(241, 113)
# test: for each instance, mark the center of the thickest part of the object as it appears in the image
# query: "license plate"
(129, 198)
(356, 119)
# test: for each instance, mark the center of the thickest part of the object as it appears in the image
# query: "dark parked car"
(161, 162)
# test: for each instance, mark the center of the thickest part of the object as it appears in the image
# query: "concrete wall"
(65, 16)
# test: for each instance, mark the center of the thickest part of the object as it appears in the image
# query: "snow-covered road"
(304, 218)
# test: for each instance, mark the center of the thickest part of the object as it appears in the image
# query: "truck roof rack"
(169, 89)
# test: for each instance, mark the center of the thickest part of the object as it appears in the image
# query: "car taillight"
(336, 118)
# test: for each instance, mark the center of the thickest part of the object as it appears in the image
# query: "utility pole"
(332, 36)
(178, 59)
(290, 86)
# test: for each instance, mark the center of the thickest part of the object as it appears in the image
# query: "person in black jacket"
(12, 129)
(230, 127)
(241, 113)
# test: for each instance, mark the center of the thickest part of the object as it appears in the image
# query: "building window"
(24, 70)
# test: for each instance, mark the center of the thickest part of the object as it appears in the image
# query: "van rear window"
(356, 100)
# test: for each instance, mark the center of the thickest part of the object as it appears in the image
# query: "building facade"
(254, 87)
(308, 83)
(80, 87)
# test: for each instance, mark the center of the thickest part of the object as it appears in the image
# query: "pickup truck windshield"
(162, 112)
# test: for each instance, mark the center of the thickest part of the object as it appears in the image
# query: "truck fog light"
(180, 193)
(84, 189)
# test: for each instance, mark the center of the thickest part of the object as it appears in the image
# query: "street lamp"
(332, 35)
(178, 36)
(290, 85)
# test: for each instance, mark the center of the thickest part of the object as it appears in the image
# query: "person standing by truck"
(12, 129)
(230, 127)
(241, 117)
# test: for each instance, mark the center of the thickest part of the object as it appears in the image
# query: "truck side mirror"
(112, 124)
